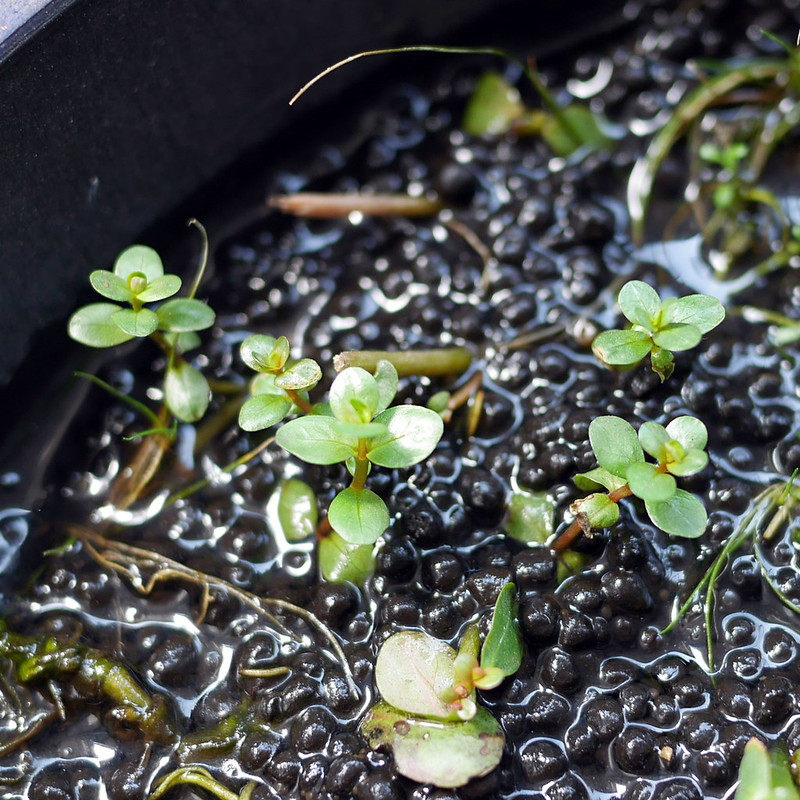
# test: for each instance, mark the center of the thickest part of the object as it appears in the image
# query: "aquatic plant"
(359, 428)
(428, 715)
(678, 450)
(658, 328)
(765, 774)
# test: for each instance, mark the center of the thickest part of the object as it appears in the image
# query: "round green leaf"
(315, 439)
(341, 561)
(297, 510)
(412, 671)
(689, 431)
(258, 352)
(640, 303)
(183, 314)
(598, 478)
(411, 436)
(183, 342)
(139, 323)
(682, 515)
(595, 512)
(692, 462)
(359, 516)
(530, 517)
(677, 336)
(110, 285)
(354, 395)
(622, 348)
(494, 105)
(366, 430)
(92, 325)
(654, 439)
(503, 646)
(615, 444)
(303, 375)
(186, 392)
(263, 411)
(445, 754)
(386, 378)
(649, 484)
(160, 289)
(139, 258)
(700, 310)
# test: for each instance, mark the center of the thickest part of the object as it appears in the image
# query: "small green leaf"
(182, 314)
(663, 362)
(110, 285)
(412, 671)
(302, 376)
(186, 392)
(693, 461)
(641, 304)
(615, 444)
(315, 439)
(139, 258)
(622, 348)
(138, 324)
(689, 431)
(677, 336)
(654, 440)
(183, 342)
(595, 512)
(598, 478)
(160, 289)
(341, 561)
(92, 325)
(755, 773)
(445, 754)
(359, 516)
(263, 411)
(411, 436)
(366, 430)
(440, 400)
(354, 395)
(787, 334)
(700, 310)
(649, 484)
(503, 646)
(493, 107)
(530, 517)
(584, 131)
(386, 378)
(259, 353)
(682, 515)
(297, 510)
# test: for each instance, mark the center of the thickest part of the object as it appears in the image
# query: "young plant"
(359, 428)
(280, 385)
(678, 450)
(658, 328)
(766, 774)
(429, 716)
(137, 280)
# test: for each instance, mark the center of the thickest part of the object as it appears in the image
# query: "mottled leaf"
(445, 754)
(359, 516)
(301, 376)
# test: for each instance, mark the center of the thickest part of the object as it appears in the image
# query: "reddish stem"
(575, 530)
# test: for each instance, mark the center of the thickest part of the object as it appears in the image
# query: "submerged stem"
(433, 363)
(318, 205)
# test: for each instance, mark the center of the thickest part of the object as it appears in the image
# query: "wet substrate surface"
(604, 705)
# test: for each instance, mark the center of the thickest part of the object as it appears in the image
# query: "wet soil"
(604, 705)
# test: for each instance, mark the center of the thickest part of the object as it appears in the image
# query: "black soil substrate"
(604, 705)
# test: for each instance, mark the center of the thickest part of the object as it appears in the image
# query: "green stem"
(437, 362)
(299, 401)
(362, 467)
(148, 413)
(203, 258)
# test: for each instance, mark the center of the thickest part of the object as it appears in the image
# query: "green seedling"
(496, 108)
(358, 428)
(658, 328)
(766, 774)
(281, 385)
(678, 450)
(429, 716)
(138, 279)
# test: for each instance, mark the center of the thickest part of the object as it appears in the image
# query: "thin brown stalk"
(318, 205)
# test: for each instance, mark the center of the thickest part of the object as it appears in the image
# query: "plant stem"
(203, 258)
(574, 530)
(438, 362)
(147, 412)
(299, 401)
(362, 467)
(318, 205)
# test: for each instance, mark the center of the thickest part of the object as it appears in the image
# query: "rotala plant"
(359, 428)
(137, 280)
(678, 450)
(658, 328)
